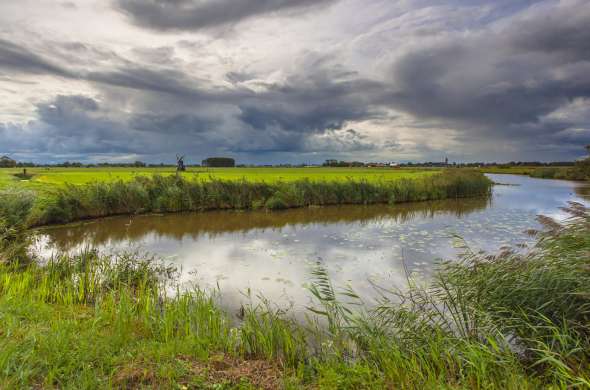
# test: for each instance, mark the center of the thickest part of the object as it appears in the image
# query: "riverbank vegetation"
(579, 171)
(176, 193)
(575, 172)
(506, 321)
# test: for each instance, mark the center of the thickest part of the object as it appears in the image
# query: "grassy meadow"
(509, 321)
(55, 176)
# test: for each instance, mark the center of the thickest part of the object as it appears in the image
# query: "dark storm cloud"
(313, 101)
(84, 120)
(319, 98)
(430, 86)
(61, 109)
(500, 81)
(18, 59)
(173, 124)
(238, 77)
(559, 31)
(277, 118)
(65, 125)
(141, 78)
(198, 14)
(75, 122)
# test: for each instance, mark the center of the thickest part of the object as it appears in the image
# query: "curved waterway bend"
(271, 253)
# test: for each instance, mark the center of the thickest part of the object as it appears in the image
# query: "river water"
(272, 253)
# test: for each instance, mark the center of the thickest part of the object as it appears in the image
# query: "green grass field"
(45, 178)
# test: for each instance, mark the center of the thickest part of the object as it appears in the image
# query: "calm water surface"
(272, 253)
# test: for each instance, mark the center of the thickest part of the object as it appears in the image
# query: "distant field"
(521, 170)
(47, 178)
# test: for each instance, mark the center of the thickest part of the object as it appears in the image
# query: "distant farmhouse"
(7, 162)
(219, 162)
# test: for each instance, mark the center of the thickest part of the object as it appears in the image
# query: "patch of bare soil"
(223, 369)
(219, 369)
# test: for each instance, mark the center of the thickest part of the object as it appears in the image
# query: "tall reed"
(510, 320)
(15, 208)
(174, 194)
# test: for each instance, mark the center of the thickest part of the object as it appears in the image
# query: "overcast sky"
(268, 81)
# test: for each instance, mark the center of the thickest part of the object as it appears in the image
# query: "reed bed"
(510, 321)
(175, 194)
(578, 172)
(15, 208)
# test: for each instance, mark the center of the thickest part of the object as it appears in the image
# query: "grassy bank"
(508, 321)
(175, 194)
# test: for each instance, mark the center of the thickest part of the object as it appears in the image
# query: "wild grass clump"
(86, 277)
(541, 301)
(15, 207)
(561, 173)
(174, 194)
(506, 321)
(78, 321)
(580, 171)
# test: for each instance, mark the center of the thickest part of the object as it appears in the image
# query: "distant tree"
(25, 164)
(219, 162)
(139, 164)
(7, 162)
(68, 164)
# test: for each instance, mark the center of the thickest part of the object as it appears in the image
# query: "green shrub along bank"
(510, 321)
(174, 194)
(580, 171)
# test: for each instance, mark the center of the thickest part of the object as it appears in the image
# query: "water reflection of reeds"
(214, 223)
